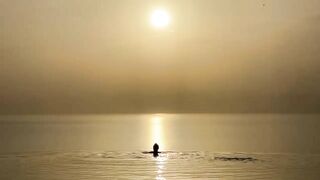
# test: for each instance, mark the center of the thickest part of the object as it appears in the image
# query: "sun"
(160, 18)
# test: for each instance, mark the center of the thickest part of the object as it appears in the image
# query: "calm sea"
(194, 146)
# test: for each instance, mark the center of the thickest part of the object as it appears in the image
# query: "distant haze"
(92, 56)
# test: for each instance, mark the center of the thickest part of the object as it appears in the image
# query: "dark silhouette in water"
(155, 150)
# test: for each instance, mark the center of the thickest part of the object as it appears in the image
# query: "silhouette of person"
(155, 150)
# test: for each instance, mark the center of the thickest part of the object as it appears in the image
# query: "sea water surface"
(194, 146)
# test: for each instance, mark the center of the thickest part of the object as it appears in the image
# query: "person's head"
(155, 147)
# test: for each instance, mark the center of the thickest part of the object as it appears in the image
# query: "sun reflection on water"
(157, 133)
(160, 163)
(157, 137)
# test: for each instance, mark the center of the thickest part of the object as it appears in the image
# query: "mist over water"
(116, 57)
(80, 56)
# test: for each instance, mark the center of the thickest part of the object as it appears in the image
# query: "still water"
(194, 146)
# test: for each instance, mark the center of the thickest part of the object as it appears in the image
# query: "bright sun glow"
(160, 18)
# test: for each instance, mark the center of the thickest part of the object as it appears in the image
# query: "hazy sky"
(94, 56)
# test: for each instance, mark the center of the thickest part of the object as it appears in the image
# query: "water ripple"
(169, 165)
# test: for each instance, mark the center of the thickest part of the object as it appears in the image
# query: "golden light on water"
(160, 162)
(160, 18)
(157, 136)
(156, 131)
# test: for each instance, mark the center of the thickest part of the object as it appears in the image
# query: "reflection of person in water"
(155, 150)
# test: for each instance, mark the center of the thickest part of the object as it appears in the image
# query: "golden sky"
(94, 56)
